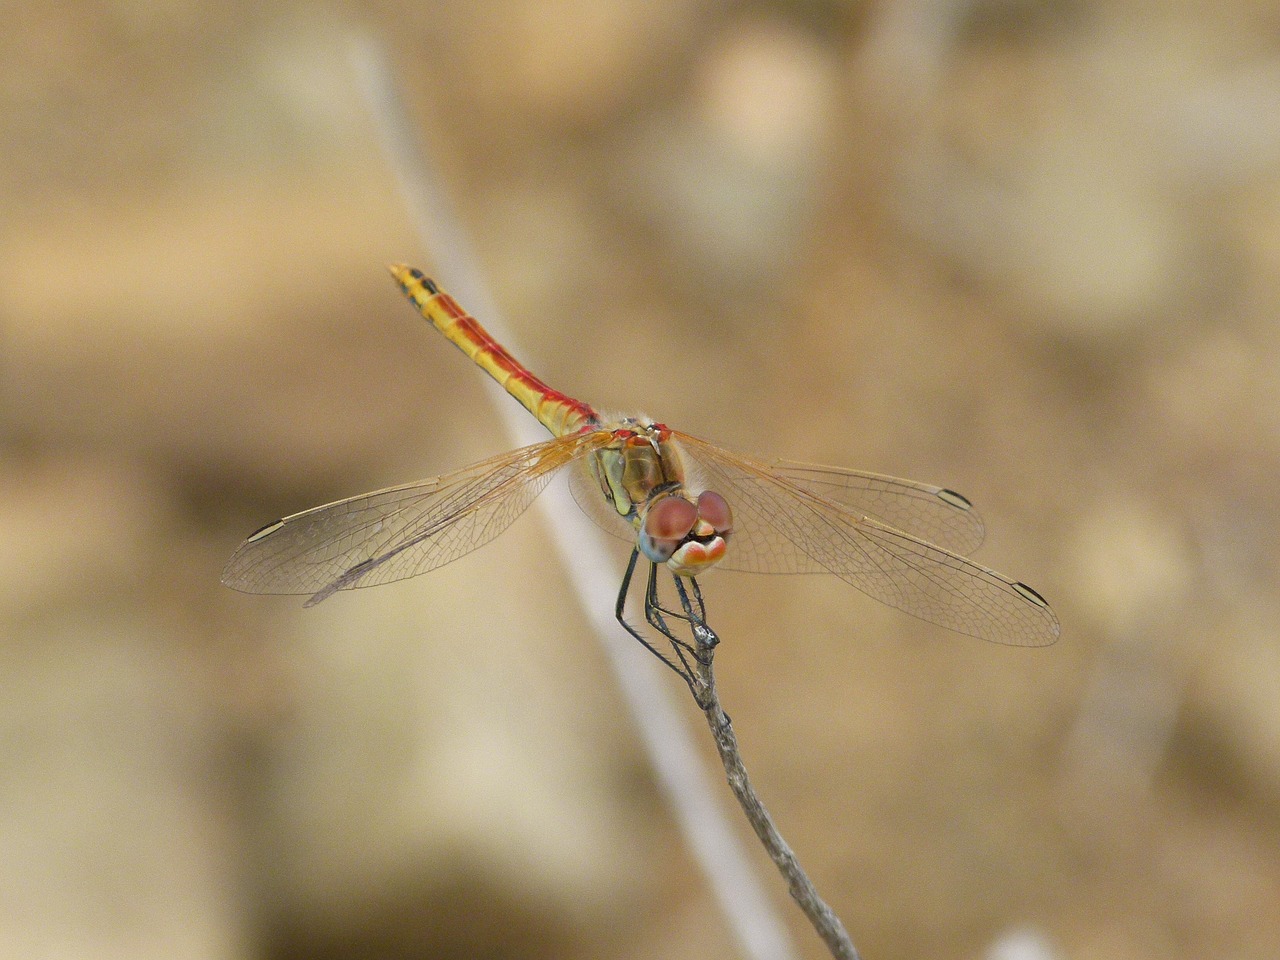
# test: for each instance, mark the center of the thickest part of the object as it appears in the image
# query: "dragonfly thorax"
(642, 475)
(639, 463)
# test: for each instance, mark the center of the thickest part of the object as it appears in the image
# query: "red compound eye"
(714, 509)
(670, 519)
(666, 524)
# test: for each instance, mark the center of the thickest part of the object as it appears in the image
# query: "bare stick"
(799, 885)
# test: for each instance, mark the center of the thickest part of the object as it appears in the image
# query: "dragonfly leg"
(655, 613)
(619, 612)
(696, 616)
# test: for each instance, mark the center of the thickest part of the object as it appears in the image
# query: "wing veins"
(320, 549)
(892, 565)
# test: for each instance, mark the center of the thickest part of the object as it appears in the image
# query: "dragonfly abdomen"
(558, 412)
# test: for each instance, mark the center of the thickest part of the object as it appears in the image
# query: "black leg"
(696, 616)
(620, 609)
(655, 613)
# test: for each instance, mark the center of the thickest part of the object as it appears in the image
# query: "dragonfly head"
(689, 536)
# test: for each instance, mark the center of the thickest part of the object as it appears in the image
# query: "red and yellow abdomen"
(559, 413)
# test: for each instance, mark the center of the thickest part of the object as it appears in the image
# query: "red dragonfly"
(683, 503)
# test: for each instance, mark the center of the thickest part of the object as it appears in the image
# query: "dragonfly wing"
(401, 531)
(929, 512)
(783, 526)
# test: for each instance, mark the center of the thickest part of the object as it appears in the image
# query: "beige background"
(1027, 250)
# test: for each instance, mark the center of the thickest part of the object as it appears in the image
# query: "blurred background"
(1028, 250)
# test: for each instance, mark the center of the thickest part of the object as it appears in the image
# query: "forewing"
(784, 526)
(928, 512)
(401, 531)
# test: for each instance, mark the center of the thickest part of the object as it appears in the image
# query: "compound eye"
(714, 509)
(670, 519)
(665, 525)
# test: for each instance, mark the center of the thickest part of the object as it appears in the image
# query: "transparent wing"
(929, 512)
(784, 525)
(401, 531)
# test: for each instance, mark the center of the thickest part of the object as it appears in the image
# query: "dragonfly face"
(689, 536)
(642, 475)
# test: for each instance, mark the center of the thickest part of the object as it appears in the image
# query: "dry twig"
(801, 888)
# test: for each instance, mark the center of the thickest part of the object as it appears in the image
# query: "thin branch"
(801, 888)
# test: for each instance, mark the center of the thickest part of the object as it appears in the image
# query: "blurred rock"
(571, 64)
(78, 530)
(1133, 567)
(433, 742)
(1027, 943)
(730, 175)
(117, 836)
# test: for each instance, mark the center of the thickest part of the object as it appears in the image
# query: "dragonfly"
(685, 505)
